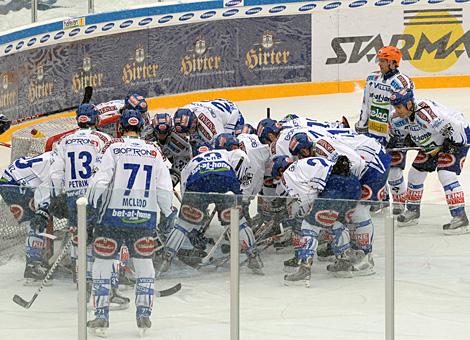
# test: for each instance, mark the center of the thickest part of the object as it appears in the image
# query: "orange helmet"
(390, 53)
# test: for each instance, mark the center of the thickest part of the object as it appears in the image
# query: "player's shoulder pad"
(401, 81)
(111, 142)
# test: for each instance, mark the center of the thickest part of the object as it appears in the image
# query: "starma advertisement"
(434, 42)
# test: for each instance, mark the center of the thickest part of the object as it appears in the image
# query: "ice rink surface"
(432, 275)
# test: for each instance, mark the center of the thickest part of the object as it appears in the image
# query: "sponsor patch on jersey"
(144, 246)
(397, 157)
(326, 217)
(17, 211)
(455, 198)
(445, 160)
(327, 146)
(191, 214)
(421, 157)
(414, 195)
(424, 117)
(362, 240)
(377, 127)
(207, 122)
(366, 192)
(105, 247)
(381, 194)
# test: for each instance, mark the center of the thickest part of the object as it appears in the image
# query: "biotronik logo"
(198, 59)
(266, 54)
(86, 77)
(39, 88)
(138, 69)
(432, 41)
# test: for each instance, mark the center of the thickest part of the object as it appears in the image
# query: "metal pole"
(34, 10)
(91, 6)
(389, 276)
(234, 274)
(81, 261)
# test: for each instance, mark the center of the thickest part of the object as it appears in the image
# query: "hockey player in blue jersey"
(209, 175)
(324, 193)
(131, 180)
(24, 188)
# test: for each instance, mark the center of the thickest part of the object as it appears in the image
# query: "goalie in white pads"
(444, 136)
(130, 180)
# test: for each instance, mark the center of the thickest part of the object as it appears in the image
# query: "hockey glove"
(361, 129)
(167, 223)
(450, 147)
(40, 220)
(198, 240)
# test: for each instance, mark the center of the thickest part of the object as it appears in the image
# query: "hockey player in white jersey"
(206, 119)
(209, 175)
(131, 179)
(293, 120)
(324, 193)
(376, 114)
(443, 135)
(24, 186)
(174, 146)
(369, 163)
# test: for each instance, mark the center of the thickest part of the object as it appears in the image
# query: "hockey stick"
(169, 291)
(26, 304)
(5, 144)
(208, 258)
(413, 148)
(87, 95)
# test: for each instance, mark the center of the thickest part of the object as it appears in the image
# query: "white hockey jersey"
(259, 156)
(311, 123)
(131, 179)
(31, 172)
(281, 146)
(369, 149)
(215, 117)
(432, 124)
(376, 111)
(73, 159)
(234, 165)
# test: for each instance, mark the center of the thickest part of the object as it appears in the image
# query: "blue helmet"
(184, 120)
(86, 114)
(401, 97)
(136, 102)
(265, 127)
(131, 120)
(298, 142)
(280, 164)
(162, 124)
(200, 148)
(225, 141)
(244, 128)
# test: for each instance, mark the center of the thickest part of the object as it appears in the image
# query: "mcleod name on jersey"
(125, 187)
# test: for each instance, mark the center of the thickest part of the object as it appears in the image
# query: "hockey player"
(131, 179)
(324, 193)
(443, 135)
(376, 114)
(205, 179)
(206, 119)
(5, 123)
(369, 163)
(24, 186)
(174, 146)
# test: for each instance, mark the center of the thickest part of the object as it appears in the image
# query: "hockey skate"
(352, 263)
(291, 265)
(98, 327)
(34, 273)
(143, 324)
(408, 218)
(301, 276)
(255, 263)
(398, 208)
(191, 257)
(458, 226)
(118, 301)
(325, 252)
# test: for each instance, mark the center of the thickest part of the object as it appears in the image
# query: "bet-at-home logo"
(431, 41)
